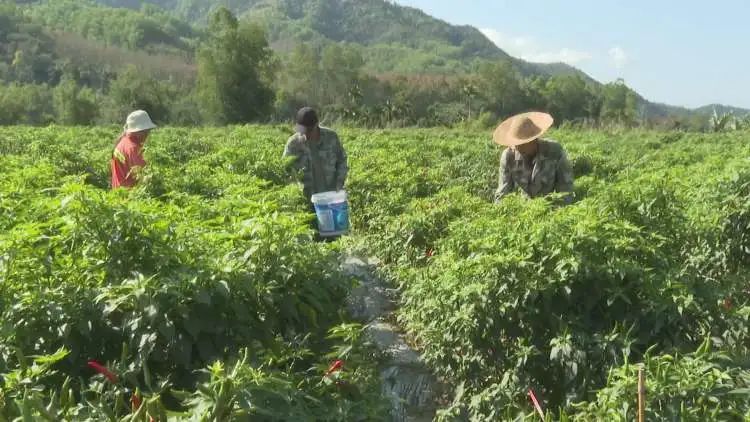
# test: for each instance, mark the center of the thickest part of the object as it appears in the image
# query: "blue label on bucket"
(332, 218)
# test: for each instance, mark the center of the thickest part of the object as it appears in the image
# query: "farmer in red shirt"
(127, 158)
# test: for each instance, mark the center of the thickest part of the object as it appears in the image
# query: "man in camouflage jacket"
(318, 154)
(537, 166)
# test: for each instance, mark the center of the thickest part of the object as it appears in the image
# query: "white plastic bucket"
(332, 210)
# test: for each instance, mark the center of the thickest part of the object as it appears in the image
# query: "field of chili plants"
(648, 267)
(202, 295)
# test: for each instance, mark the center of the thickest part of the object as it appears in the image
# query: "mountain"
(396, 39)
(149, 29)
(722, 109)
(665, 111)
(392, 39)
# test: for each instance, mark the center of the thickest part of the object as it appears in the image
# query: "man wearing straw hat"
(127, 158)
(536, 166)
(318, 153)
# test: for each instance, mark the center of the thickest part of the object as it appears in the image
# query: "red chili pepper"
(135, 402)
(98, 367)
(728, 304)
(535, 402)
(335, 366)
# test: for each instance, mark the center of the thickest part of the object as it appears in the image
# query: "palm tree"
(721, 123)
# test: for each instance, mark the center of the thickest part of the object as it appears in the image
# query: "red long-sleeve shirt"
(126, 159)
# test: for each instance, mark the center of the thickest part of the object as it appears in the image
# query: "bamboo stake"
(641, 396)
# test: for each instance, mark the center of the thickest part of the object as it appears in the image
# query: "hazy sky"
(688, 52)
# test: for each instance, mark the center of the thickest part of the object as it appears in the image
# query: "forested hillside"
(396, 38)
(151, 29)
(367, 62)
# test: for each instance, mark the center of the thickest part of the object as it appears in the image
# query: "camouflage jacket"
(549, 171)
(323, 163)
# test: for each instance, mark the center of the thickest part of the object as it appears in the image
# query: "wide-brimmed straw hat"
(522, 128)
(138, 121)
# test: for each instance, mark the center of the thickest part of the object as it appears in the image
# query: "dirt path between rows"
(408, 384)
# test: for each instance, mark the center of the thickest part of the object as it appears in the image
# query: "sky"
(688, 53)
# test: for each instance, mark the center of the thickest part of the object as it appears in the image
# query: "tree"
(619, 103)
(340, 78)
(297, 85)
(26, 52)
(132, 90)
(534, 88)
(331, 81)
(501, 87)
(470, 91)
(28, 104)
(567, 97)
(235, 71)
(73, 105)
(325, 16)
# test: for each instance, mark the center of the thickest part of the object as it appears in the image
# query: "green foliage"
(566, 96)
(698, 386)
(74, 105)
(150, 29)
(209, 263)
(132, 90)
(619, 103)
(29, 104)
(500, 84)
(358, 62)
(234, 71)
(331, 80)
(503, 298)
(25, 50)
(211, 260)
(728, 121)
(371, 23)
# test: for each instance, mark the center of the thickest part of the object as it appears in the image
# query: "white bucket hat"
(138, 121)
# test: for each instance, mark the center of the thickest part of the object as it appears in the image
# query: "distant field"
(212, 259)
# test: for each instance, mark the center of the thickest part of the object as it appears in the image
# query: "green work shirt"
(323, 163)
(549, 171)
